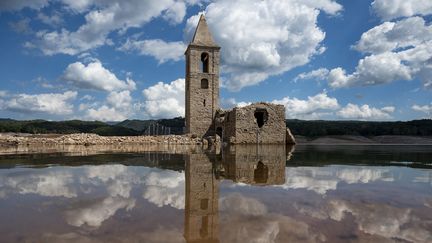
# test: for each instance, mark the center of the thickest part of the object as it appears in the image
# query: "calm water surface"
(241, 194)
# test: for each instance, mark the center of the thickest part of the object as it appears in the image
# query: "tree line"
(176, 126)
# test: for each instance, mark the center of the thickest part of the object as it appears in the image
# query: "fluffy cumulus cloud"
(118, 107)
(264, 38)
(427, 109)
(104, 113)
(311, 108)
(401, 8)
(103, 18)
(399, 50)
(365, 112)
(95, 76)
(165, 100)
(159, 49)
(49, 103)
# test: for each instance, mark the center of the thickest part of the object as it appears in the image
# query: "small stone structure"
(261, 123)
(255, 123)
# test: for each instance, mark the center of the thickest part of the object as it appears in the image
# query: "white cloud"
(95, 76)
(425, 108)
(53, 20)
(50, 103)
(264, 38)
(322, 180)
(118, 107)
(95, 214)
(50, 183)
(247, 220)
(317, 74)
(159, 49)
(165, 100)
(165, 188)
(372, 70)
(105, 113)
(365, 112)
(312, 108)
(243, 205)
(399, 50)
(383, 220)
(120, 100)
(391, 36)
(401, 8)
(104, 18)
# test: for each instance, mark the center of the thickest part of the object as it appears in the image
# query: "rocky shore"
(88, 139)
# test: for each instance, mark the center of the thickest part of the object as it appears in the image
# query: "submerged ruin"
(261, 123)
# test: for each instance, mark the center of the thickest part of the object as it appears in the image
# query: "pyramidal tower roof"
(202, 36)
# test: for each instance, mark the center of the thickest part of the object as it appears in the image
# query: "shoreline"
(87, 143)
(87, 139)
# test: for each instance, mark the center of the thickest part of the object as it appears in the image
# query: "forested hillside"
(176, 126)
(362, 128)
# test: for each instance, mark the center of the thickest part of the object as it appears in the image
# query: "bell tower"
(202, 81)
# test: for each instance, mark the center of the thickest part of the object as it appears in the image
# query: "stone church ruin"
(261, 123)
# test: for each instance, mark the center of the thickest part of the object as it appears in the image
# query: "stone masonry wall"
(201, 104)
(247, 130)
(241, 164)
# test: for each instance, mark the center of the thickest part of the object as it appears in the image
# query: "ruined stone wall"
(229, 126)
(201, 103)
(241, 163)
(247, 129)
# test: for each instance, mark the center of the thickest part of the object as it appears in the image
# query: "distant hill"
(362, 128)
(162, 126)
(176, 126)
(64, 127)
(137, 125)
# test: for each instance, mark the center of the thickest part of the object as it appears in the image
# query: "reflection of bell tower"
(202, 81)
(201, 208)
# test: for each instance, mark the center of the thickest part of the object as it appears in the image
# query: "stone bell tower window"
(205, 62)
(204, 84)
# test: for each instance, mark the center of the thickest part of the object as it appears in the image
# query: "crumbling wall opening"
(261, 173)
(204, 83)
(261, 116)
(219, 131)
(204, 62)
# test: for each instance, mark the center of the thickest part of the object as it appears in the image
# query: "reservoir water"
(237, 194)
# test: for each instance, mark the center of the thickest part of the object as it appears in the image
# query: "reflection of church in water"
(254, 165)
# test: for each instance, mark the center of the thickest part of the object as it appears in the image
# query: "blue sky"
(114, 60)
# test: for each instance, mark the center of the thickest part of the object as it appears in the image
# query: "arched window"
(204, 84)
(205, 62)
